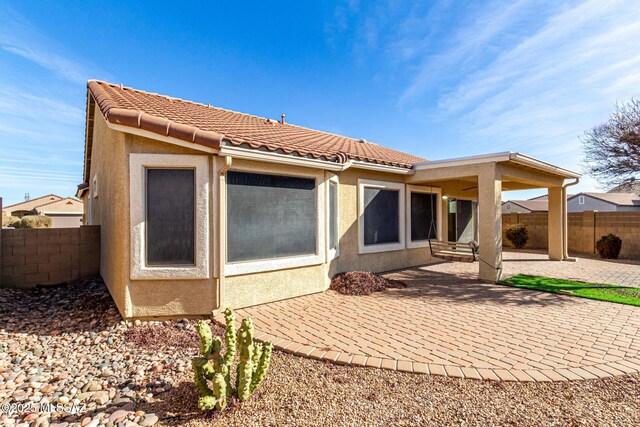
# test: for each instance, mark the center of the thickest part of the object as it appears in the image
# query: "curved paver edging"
(598, 371)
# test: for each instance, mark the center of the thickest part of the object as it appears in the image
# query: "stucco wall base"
(260, 288)
(153, 298)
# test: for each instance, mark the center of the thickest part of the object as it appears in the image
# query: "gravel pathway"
(68, 345)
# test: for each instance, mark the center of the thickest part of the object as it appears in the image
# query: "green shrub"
(212, 369)
(35, 221)
(11, 221)
(518, 235)
(609, 246)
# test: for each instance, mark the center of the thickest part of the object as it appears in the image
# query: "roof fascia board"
(382, 168)
(542, 165)
(462, 161)
(270, 157)
(158, 137)
(506, 156)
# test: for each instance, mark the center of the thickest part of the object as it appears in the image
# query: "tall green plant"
(212, 369)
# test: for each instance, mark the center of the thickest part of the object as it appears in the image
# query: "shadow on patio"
(465, 287)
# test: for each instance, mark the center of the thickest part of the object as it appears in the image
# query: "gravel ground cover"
(304, 392)
(68, 344)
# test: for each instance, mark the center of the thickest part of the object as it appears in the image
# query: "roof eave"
(506, 156)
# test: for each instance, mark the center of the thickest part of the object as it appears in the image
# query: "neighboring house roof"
(630, 187)
(531, 205)
(212, 127)
(546, 197)
(618, 199)
(68, 205)
(31, 204)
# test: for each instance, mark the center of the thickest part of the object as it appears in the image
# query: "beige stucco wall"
(111, 209)
(172, 298)
(65, 221)
(350, 259)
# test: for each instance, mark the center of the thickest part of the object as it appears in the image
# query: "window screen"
(381, 216)
(270, 216)
(170, 216)
(333, 215)
(423, 216)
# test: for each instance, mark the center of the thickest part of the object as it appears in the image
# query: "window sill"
(249, 267)
(170, 273)
(386, 247)
(418, 244)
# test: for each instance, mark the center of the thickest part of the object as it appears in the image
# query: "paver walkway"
(446, 322)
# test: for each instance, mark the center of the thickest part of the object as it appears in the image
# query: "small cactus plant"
(214, 367)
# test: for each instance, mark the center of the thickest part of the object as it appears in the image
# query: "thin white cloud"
(19, 37)
(506, 83)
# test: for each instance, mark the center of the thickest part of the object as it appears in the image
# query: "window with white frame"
(169, 216)
(270, 216)
(332, 217)
(581, 200)
(170, 222)
(423, 215)
(381, 216)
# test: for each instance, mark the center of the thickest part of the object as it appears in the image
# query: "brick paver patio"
(446, 322)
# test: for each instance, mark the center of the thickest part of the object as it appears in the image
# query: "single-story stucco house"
(525, 206)
(26, 208)
(603, 202)
(65, 212)
(203, 208)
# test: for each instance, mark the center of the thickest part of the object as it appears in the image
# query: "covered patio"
(483, 179)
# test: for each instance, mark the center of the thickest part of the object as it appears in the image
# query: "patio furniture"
(454, 251)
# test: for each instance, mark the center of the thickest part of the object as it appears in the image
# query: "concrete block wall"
(48, 256)
(585, 228)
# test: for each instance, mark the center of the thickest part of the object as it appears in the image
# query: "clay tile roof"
(212, 126)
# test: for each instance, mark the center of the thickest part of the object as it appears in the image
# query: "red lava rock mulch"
(362, 283)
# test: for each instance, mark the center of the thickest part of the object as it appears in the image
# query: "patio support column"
(490, 221)
(556, 224)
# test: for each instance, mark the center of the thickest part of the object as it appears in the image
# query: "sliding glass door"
(463, 220)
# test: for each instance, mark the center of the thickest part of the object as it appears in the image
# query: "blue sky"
(438, 79)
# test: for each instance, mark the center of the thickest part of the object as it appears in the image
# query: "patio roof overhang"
(518, 172)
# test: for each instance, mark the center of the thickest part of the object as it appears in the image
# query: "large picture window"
(170, 216)
(381, 216)
(270, 216)
(424, 216)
